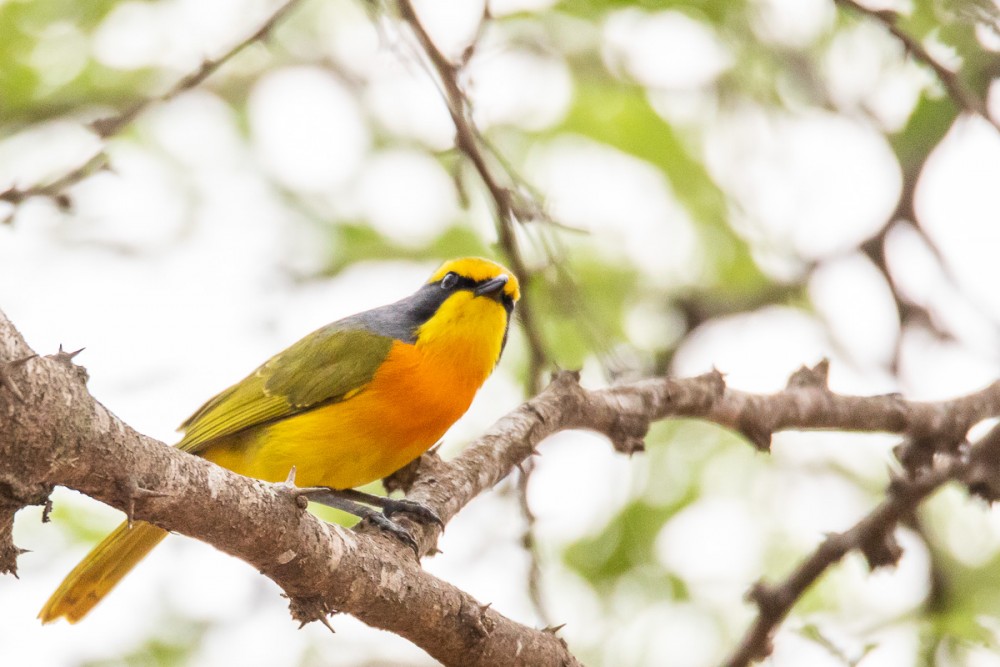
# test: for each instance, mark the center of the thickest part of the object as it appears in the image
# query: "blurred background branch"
(963, 98)
(509, 211)
(108, 126)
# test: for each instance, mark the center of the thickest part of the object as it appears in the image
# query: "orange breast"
(412, 400)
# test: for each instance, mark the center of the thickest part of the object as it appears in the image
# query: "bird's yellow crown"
(479, 269)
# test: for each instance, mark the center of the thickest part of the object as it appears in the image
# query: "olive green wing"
(329, 365)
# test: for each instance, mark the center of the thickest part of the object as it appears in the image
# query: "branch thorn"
(63, 356)
(758, 435)
(7, 381)
(136, 492)
(307, 610)
(716, 380)
(816, 377)
(881, 550)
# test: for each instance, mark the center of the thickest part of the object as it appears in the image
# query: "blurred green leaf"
(83, 524)
(717, 12)
(25, 27)
(625, 546)
(359, 242)
(174, 645)
(927, 125)
(619, 114)
(585, 317)
(963, 598)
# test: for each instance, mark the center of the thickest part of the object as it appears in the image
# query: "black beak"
(492, 287)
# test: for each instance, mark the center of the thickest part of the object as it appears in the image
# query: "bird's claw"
(416, 510)
(388, 525)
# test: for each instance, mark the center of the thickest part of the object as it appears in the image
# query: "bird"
(348, 404)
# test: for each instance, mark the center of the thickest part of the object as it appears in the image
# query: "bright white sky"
(177, 272)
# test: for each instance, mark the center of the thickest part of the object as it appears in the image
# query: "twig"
(503, 199)
(872, 536)
(957, 90)
(109, 126)
(54, 189)
(106, 127)
(530, 544)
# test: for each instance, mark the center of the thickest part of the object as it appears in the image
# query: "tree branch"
(54, 189)
(873, 536)
(58, 434)
(109, 126)
(624, 413)
(958, 92)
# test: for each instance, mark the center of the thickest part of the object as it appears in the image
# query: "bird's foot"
(416, 511)
(357, 503)
(394, 529)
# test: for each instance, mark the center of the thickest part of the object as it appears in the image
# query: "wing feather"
(329, 365)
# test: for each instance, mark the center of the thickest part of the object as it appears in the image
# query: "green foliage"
(963, 599)
(928, 123)
(83, 526)
(174, 646)
(577, 326)
(36, 44)
(715, 12)
(624, 548)
(353, 242)
(618, 114)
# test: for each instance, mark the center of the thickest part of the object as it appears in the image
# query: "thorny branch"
(941, 432)
(873, 536)
(59, 435)
(109, 126)
(957, 90)
(806, 403)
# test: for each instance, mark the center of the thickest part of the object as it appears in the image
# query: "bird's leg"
(332, 498)
(390, 506)
(354, 502)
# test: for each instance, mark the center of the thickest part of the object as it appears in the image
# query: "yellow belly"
(404, 411)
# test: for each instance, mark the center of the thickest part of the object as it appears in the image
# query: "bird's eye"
(449, 281)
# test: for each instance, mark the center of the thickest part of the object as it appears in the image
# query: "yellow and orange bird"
(348, 404)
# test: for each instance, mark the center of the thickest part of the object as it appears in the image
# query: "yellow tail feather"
(100, 571)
